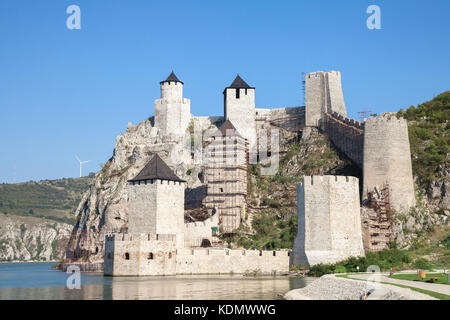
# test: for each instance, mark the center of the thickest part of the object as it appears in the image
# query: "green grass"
(433, 294)
(415, 277)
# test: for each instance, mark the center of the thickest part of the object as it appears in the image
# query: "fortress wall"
(172, 116)
(387, 159)
(314, 97)
(165, 259)
(323, 93)
(195, 232)
(145, 257)
(170, 209)
(141, 208)
(290, 118)
(214, 261)
(346, 134)
(335, 94)
(329, 227)
(345, 217)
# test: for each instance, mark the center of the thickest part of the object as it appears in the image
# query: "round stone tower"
(172, 111)
(387, 160)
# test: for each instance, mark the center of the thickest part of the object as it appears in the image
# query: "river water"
(39, 281)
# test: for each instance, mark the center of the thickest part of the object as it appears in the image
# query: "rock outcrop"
(29, 238)
(103, 208)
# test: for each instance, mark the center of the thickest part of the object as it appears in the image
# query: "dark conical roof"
(156, 169)
(239, 83)
(227, 129)
(172, 78)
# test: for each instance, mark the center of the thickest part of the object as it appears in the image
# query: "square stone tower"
(172, 111)
(239, 108)
(156, 201)
(329, 220)
(323, 93)
(226, 176)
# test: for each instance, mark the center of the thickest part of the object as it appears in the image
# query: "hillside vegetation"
(429, 129)
(53, 199)
(272, 206)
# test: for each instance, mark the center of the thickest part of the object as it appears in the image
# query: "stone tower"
(329, 222)
(226, 176)
(172, 111)
(156, 201)
(323, 93)
(387, 160)
(239, 108)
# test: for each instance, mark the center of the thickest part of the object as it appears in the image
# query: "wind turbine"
(81, 164)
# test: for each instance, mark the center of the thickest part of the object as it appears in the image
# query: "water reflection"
(95, 286)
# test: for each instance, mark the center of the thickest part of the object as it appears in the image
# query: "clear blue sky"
(71, 92)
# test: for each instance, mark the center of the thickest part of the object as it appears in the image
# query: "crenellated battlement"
(348, 121)
(329, 225)
(387, 119)
(223, 252)
(139, 237)
(315, 180)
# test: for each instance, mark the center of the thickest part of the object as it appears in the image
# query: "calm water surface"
(39, 281)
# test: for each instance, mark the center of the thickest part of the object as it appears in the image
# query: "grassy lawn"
(415, 277)
(433, 294)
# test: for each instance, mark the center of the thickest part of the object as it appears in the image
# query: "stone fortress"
(331, 226)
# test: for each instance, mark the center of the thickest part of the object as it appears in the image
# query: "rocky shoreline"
(330, 287)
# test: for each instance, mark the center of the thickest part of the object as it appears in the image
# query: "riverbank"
(331, 287)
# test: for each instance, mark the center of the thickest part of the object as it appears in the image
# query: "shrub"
(423, 264)
(340, 269)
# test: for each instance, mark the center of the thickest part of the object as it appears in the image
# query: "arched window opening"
(205, 243)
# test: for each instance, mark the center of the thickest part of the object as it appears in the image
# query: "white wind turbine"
(81, 164)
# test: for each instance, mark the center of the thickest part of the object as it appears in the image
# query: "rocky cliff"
(103, 208)
(30, 238)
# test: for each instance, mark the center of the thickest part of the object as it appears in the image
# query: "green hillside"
(429, 129)
(52, 199)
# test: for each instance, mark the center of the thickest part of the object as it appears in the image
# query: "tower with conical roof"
(239, 108)
(172, 111)
(156, 201)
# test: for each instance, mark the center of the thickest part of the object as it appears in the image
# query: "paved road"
(436, 287)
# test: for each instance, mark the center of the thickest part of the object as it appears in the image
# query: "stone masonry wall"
(139, 254)
(323, 93)
(156, 207)
(214, 261)
(346, 134)
(172, 111)
(241, 112)
(387, 159)
(329, 223)
(145, 254)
